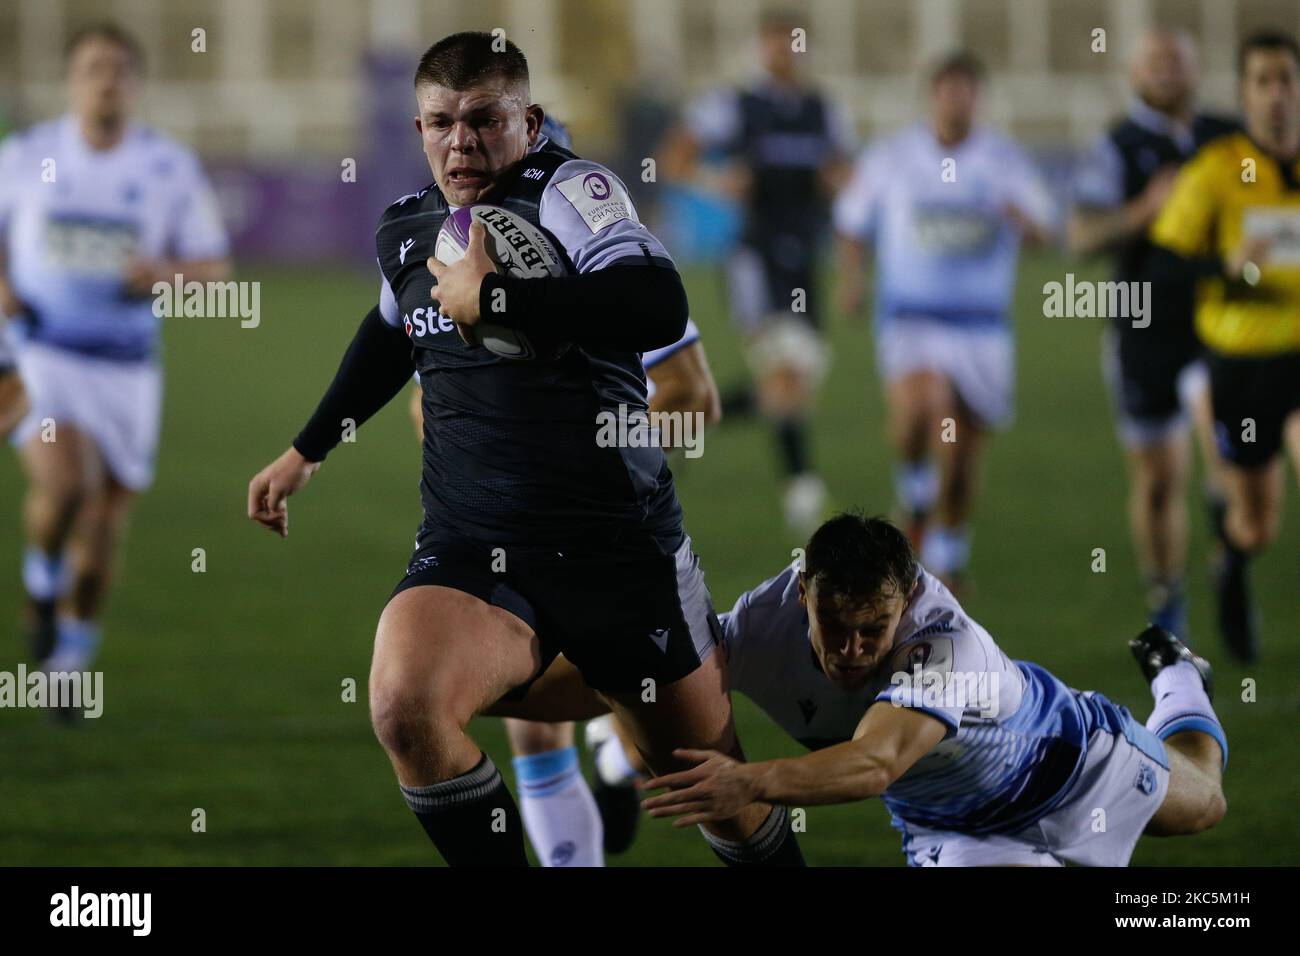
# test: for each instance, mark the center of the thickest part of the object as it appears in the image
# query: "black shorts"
(1146, 369)
(1258, 392)
(764, 277)
(623, 611)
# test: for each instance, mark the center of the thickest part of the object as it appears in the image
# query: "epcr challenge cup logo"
(596, 186)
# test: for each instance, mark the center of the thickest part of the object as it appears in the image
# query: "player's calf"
(442, 656)
(694, 713)
(559, 810)
(1197, 749)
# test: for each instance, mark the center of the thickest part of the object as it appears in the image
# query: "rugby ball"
(519, 249)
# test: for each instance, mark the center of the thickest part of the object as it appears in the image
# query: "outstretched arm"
(886, 744)
(374, 368)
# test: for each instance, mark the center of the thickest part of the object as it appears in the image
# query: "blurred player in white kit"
(946, 204)
(94, 210)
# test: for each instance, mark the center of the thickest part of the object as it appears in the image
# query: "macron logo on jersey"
(403, 249)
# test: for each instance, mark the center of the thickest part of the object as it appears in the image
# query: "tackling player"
(946, 205)
(869, 660)
(94, 209)
(787, 149)
(1233, 220)
(1156, 370)
(536, 540)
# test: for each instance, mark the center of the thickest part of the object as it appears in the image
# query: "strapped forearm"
(634, 308)
(374, 368)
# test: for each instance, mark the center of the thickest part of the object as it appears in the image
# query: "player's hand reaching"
(458, 285)
(142, 274)
(270, 487)
(717, 788)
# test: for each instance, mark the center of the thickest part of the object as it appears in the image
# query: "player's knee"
(406, 718)
(61, 493)
(1253, 532)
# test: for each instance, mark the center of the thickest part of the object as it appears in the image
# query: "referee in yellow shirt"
(1233, 220)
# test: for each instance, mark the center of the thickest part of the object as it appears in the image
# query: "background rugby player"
(870, 662)
(947, 205)
(597, 565)
(787, 149)
(126, 207)
(1233, 218)
(13, 400)
(1157, 372)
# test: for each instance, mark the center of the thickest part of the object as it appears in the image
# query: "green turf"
(224, 688)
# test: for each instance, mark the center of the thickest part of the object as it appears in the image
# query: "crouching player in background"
(126, 208)
(870, 661)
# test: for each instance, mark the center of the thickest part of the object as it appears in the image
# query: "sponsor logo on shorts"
(1146, 779)
(563, 853)
(422, 564)
(660, 637)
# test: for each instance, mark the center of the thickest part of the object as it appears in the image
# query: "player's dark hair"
(105, 30)
(463, 60)
(859, 558)
(961, 63)
(1266, 40)
(781, 18)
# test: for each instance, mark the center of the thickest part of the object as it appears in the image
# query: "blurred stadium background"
(224, 688)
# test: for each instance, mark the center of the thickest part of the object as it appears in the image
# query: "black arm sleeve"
(634, 308)
(1165, 265)
(374, 368)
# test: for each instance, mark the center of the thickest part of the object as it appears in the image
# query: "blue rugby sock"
(558, 808)
(1182, 705)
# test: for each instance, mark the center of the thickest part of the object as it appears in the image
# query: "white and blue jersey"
(652, 358)
(73, 217)
(1017, 737)
(937, 215)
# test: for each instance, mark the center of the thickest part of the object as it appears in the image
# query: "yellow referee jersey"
(1213, 206)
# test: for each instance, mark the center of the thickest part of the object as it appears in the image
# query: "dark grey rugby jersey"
(510, 452)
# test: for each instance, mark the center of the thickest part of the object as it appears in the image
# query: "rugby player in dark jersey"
(1157, 368)
(536, 540)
